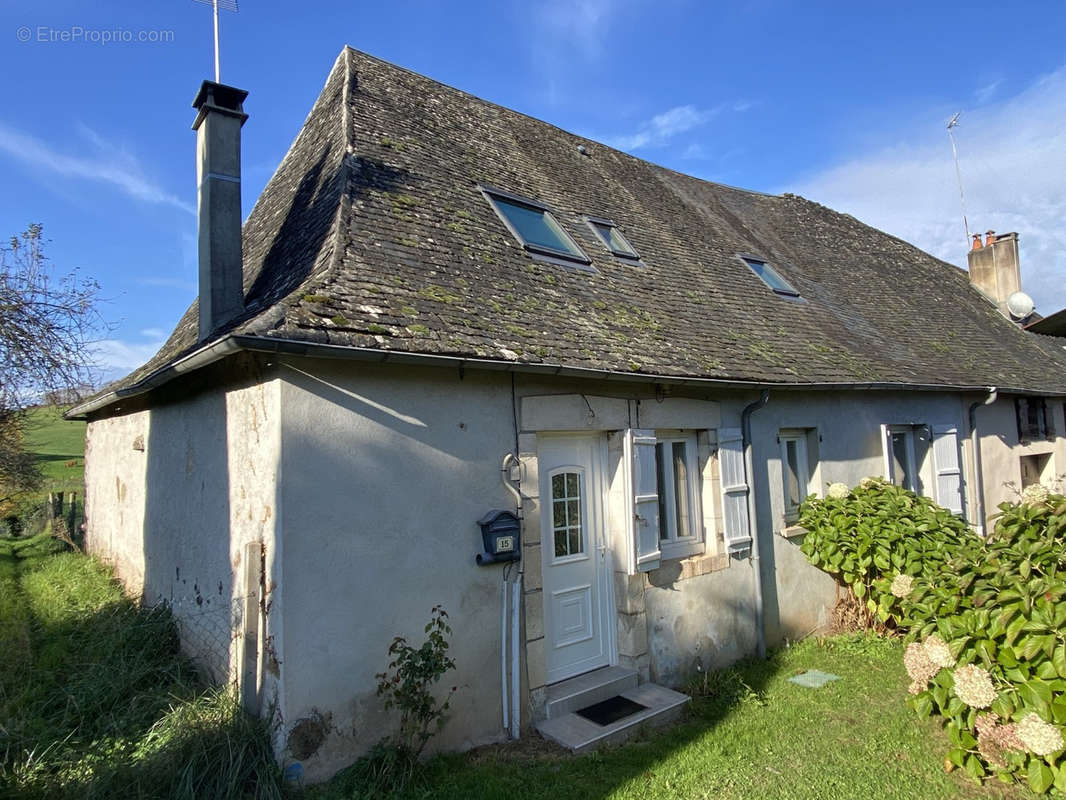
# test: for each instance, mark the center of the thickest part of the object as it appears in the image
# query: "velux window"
(612, 238)
(533, 225)
(677, 471)
(770, 276)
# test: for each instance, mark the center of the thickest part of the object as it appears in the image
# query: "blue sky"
(844, 103)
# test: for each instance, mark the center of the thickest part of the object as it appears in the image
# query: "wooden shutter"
(644, 498)
(734, 490)
(888, 463)
(946, 464)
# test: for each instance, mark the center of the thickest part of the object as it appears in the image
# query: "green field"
(59, 446)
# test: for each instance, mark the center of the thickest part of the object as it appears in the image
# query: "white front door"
(576, 614)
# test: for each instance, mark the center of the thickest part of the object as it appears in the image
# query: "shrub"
(984, 620)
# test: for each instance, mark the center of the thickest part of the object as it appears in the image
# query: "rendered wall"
(1001, 452)
(173, 496)
(386, 471)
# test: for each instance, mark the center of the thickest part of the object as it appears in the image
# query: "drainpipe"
(510, 697)
(753, 530)
(978, 478)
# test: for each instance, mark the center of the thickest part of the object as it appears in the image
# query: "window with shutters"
(678, 476)
(913, 451)
(1034, 421)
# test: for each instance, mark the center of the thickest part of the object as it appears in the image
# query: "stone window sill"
(793, 532)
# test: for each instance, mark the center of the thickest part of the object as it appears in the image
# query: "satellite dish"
(1020, 305)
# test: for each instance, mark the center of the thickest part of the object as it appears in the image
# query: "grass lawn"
(95, 701)
(754, 735)
(59, 446)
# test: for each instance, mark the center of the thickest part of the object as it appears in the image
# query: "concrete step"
(584, 690)
(580, 735)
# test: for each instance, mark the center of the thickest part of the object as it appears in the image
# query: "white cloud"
(661, 128)
(116, 357)
(106, 164)
(579, 23)
(169, 283)
(1013, 160)
(986, 92)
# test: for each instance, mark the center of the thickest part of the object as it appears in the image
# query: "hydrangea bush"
(984, 619)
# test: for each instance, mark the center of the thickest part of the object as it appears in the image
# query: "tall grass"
(96, 701)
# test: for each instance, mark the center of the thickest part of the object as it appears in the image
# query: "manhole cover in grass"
(610, 710)
(813, 679)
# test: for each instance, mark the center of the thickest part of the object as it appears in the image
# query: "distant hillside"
(59, 446)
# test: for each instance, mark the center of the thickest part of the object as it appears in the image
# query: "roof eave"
(231, 344)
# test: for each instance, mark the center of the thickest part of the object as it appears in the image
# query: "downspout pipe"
(753, 529)
(512, 600)
(978, 477)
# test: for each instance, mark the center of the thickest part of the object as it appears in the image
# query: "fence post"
(253, 579)
(72, 515)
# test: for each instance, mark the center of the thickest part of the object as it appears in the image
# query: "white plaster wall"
(114, 495)
(386, 472)
(174, 518)
(1001, 452)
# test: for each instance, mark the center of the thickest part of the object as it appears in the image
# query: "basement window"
(533, 225)
(612, 238)
(770, 276)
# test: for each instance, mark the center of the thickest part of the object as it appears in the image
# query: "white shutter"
(734, 489)
(886, 454)
(946, 464)
(644, 497)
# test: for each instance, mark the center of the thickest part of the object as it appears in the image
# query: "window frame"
(912, 467)
(789, 293)
(574, 258)
(803, 462)
(564, 470)
(631, 256)
(1045, 429)
(670, 544)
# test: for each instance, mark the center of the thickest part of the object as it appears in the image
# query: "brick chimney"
(994, 268)
(219, 118)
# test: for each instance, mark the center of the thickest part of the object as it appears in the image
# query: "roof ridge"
(539, 121)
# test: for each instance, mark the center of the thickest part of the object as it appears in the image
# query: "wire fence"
(209, 632)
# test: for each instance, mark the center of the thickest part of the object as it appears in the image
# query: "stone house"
(440, 308)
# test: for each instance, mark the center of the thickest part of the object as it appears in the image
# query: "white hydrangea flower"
(1039, 737)
(869, 481)
(938, 652)
(902, 585)
(973, 686)
(919, 667)
(838, 491)
(1035, 495)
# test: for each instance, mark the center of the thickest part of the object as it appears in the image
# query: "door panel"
(572, 544)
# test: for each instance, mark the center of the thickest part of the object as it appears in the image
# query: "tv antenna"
(228, 5)
(958, 175)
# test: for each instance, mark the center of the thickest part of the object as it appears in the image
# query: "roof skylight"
(533, 225)
(770, 276)
(612, 238)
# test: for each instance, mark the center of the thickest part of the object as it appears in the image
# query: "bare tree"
(47, 321)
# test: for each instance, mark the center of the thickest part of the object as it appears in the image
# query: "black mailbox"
(500, 533)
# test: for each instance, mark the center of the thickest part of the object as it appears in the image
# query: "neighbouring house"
(441, 312)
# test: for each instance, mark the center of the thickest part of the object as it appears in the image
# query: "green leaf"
(1040, 777)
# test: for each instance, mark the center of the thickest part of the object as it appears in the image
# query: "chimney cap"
(221, 98)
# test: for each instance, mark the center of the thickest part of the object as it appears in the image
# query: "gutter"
(978, 477)
(753, 529)
(233, 343)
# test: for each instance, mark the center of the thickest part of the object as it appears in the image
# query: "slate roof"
(373, 234)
